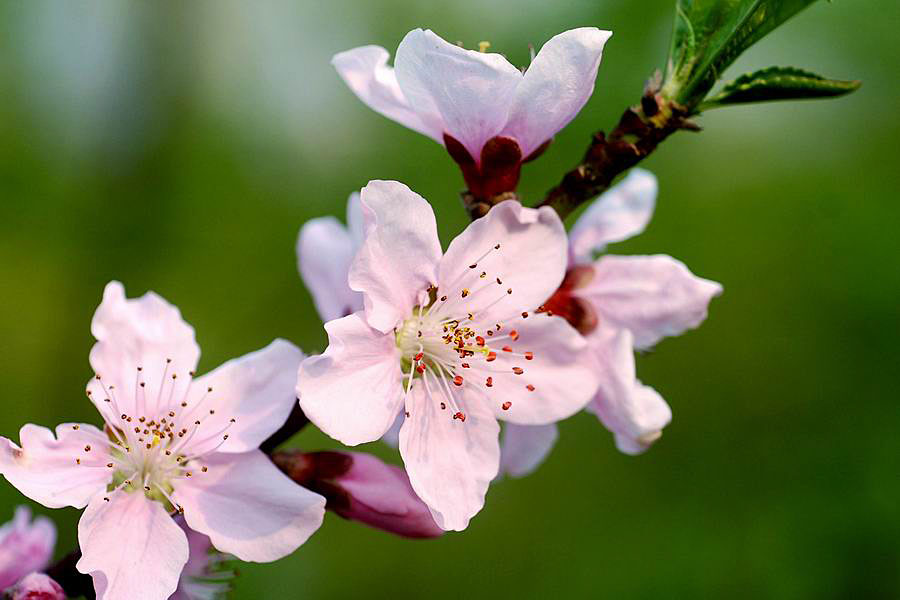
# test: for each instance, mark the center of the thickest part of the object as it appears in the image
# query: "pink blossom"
(170, 442)
(25, 546)
(36, 586)
(452, 339)
(619, 303)
(490, 116)
(325, 248)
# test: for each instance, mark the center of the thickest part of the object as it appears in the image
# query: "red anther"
(497, 247)
(491, 356)
(506, 349)
(420, 369)
(443, 406)
(529, 356)
(509, 291)
(458, 380)
(514, 335)
(443, 298)
(473, 265)
(460, 416)
(489, 382)
(479, 340)
(518, 370)
(465, 292)
(490, 332)
(506, 405)
(465, 365)
(529, 387)
(418, 356)
(525, 315)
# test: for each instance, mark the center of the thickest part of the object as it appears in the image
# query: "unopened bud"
(36, 586)
(362, 488)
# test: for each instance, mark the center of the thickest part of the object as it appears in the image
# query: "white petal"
(131, 547)
(531, 261)
(365, 71)
(248, 507)
(324, 251)
(145, 332)
(399, 257)
(619, 213)
(450, 462)
(652, 296)
(45, 467)
(557, 382)
(257, 390)
(634, 412)
(472, 91)
(353, 390)
(556, 86)
(524, 447)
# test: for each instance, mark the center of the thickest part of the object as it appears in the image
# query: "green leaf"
(710, 34)
(778, 83)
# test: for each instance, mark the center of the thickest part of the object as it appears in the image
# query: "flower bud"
(36, 586)
(362, 488)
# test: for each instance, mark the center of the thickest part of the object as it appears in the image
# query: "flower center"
(155, 439)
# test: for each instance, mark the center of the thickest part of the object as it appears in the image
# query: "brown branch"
(639, 131)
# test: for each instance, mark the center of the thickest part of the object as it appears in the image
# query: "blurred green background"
(178, 147)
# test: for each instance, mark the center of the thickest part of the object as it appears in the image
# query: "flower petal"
(45, 467)
(557, 84)
(353, 390)
(652, 296)
(249, 508)
(398, 259)
(450, 461)
(24, 546)
(392, 436)
(524, 447)
(365, 71)
(131, 547)
(618, 214)
(257, 390)
(530, 261)
(145, 332)
(324, 251)
(472, 91)
(634, 412)
(557, 382)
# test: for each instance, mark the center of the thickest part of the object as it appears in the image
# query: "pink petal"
(257, 390)
(365, 71)
(45, 467)
(399, 257)
(531, 261)
(652, 296)
(450, 461)
(392, 436)
(353, 390)
(143, 332)
(619, 213)
(324, 251)
(249, 508)
(24, 546)
(524, 447)
(635, 413)
(557, 382)
(557, 84)
(131, 547)
(472, 91)
(381, 496)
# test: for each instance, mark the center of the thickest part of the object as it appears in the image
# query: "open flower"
(325, 249)
(25, 546)
(170, 443)
(452, 340)
(36, 586)
(619, 303)
(489, 115)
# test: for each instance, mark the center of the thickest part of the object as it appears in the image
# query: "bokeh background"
(178, 147)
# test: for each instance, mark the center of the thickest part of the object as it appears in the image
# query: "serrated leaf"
(778, 83)
(710, 34)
